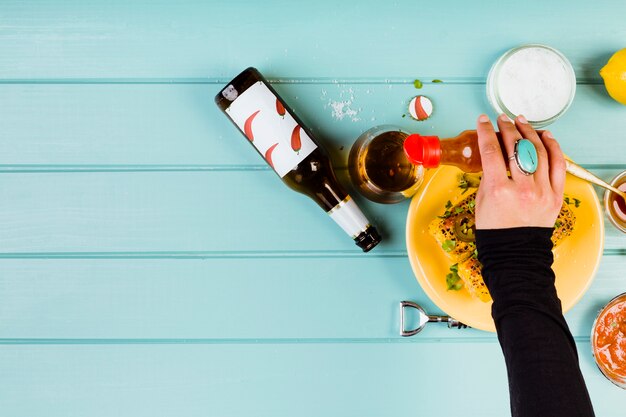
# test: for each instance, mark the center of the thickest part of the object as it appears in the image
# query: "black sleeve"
(539, 350)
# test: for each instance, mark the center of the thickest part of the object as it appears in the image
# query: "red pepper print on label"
(247, 127)
(280, 109)
(296, 142)
(268, 154)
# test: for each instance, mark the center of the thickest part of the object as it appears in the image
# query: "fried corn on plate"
(455, 234)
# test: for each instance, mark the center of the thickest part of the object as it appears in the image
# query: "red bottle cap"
(423, 150)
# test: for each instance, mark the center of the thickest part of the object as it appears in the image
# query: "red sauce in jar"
(609, 341)
(616, 204)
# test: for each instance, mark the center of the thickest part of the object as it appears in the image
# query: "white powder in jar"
(536, 82)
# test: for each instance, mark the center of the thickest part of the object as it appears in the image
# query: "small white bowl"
(525, 69)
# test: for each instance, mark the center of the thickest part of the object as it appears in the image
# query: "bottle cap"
(420, 108)
(368, 239)
(423, 150)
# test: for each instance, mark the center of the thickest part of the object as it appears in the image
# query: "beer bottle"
(291, 150)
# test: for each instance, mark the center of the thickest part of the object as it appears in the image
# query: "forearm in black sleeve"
(539, 350)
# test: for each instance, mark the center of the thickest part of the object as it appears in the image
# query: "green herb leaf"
(463, 185)
(566, 200)
(475, 254)
(436, 81)
(447, 213)
(453, 280)
(471, 205)
(404, 115)
(450, 281)
(558, 224)
(417, 84)
(448, 245)
(576, 203)
(458, 210)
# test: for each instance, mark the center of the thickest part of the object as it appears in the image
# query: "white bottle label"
(348, 215)
(263, 119)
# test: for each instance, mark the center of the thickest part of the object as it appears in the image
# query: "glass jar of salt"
(533, 80)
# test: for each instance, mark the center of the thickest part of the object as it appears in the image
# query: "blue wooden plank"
(181, 213)
(206, 215)
(443, 379)
(191, 39)
(178, 126)
(212, 299)
(234, 300)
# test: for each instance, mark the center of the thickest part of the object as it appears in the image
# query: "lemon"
(614, 75)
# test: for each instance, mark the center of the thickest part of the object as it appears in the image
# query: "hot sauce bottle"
(462, 151)
(290, 149)
(430, 151)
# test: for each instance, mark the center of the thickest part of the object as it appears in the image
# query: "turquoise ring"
(525, 156)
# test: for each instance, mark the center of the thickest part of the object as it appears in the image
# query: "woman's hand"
(521, 200)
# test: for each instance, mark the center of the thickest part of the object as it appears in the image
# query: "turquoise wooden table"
(151, 264)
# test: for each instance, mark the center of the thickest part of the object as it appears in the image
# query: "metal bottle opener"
(423, 319)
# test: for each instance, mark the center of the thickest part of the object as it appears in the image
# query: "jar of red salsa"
(608, 340)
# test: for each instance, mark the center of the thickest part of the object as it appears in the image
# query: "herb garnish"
(453, 280)
(569, 202)
(463, 185)
(417, 84)
(447, 213)
(448, 245)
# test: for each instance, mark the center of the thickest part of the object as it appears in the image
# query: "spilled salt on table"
(342, 108)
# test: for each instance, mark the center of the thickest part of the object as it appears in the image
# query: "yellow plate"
(576, 258)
